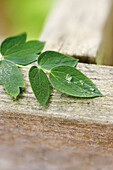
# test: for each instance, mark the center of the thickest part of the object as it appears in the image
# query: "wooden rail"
(69, 133)
(82, 29)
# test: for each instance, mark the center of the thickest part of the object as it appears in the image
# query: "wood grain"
(82, 29)
(69, 133)
(36, 142)
(60, 105)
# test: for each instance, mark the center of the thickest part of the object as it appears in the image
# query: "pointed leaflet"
(12, 42)
(50, 59)
(40, 84)
(11, 78)
(26, 53)
(71, 81)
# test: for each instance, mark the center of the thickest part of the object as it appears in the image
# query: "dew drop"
(75, 82)
(68, 78)
(81, 82)
(92, 89)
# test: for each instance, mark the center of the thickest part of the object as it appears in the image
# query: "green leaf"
(40, 84)
(26, 53)
(11, 78)
(71, 81)
(12, 42)
(50, 59)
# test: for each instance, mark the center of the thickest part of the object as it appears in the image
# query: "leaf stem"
(20, 66)
(48, 71)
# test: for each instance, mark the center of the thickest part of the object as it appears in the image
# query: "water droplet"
(68, 78)
(81, 82)
(75, 82)
(92, 89)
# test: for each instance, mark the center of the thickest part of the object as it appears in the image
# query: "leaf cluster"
(61, 70)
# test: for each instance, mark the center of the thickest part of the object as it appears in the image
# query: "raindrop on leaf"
(68, 78)
(81, 82)
(92, 89)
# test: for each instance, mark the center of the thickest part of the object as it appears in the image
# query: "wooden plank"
(82, 29)
(41, 143)
(69, 133)
(105, 51)
(60, 105)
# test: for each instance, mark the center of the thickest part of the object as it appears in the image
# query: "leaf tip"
(102, 95)
(43, 105)
(43, 42)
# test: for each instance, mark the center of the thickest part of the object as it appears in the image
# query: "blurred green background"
(18, 16)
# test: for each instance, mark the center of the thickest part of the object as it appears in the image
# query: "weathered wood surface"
(41, 143)
(68, 133)
(82, 29)
(60, 105)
